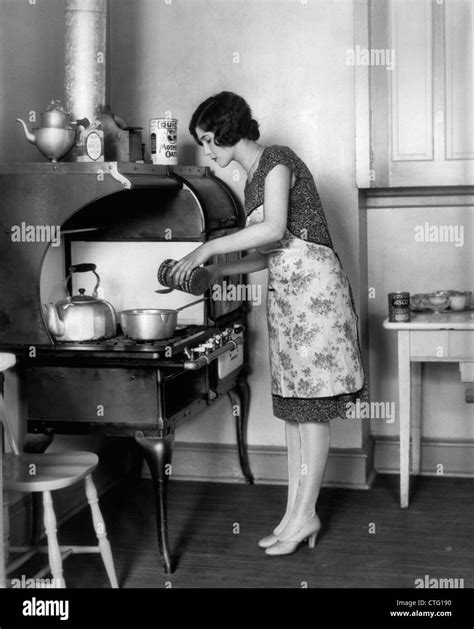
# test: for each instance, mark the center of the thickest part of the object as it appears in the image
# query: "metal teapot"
(81, 317)
(56, 136)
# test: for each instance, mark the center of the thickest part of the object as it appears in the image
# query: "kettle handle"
(82, 268)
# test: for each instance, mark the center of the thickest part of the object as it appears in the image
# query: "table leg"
(404, 398)
(4, 515)
(158, 453)
(416, 380)
(239, 398)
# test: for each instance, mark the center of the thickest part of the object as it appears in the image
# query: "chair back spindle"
(6, 361)
(7, 426)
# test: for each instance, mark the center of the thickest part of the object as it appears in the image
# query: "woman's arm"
(273, 226)
(271, 229)
(253, 262)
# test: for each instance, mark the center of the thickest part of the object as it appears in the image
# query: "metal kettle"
(81, 317)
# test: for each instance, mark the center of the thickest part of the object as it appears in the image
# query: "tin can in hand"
(399, 307)
(197, 283)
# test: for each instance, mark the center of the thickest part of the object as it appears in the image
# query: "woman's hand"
(182, 269)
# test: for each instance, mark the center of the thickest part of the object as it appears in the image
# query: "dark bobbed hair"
(228, 116)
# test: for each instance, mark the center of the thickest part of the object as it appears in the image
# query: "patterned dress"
(315, 358)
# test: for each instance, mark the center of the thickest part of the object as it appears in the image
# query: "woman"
(315, 359)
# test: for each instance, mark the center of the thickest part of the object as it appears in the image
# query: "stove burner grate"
(191, 334)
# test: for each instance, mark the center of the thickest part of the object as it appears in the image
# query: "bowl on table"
(459, 300)
(438, 301)
(418, 302)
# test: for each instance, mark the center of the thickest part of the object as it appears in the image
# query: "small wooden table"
(428, 337)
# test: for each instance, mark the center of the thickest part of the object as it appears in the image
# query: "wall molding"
(456, 456)
(428, 196)
(211, 462)
(349, 468)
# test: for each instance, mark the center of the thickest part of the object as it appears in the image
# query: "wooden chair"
(46, 473)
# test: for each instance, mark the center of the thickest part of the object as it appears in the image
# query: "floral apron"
(312, 324)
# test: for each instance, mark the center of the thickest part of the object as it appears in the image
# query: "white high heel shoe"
(287, 546)
(268, 541)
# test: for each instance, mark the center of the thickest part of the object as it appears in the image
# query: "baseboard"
(455, 457)
(220, 463)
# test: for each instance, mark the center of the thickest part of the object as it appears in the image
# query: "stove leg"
(158, 452)
(240, 399)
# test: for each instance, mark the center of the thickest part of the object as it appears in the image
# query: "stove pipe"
(84, 73)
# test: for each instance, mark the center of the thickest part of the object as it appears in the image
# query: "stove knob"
(209, 346)
(198, 351)
(238, 328)
(218, 340)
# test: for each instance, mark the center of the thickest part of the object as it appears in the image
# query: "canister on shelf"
(164, 140)
(90, 144)
(399, 307)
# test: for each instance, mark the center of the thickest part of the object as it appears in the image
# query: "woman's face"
(222, 155)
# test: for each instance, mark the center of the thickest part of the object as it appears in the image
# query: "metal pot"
(151, 324)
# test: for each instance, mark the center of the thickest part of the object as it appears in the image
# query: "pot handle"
(85, 267)
(189, 305)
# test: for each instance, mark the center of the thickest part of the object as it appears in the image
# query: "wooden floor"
(214, 528)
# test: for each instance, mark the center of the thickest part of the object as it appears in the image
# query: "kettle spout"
(29, 136)
(55, 325)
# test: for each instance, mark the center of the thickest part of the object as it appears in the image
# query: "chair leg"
(100, 531)
(55, 561)
(4, 527)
